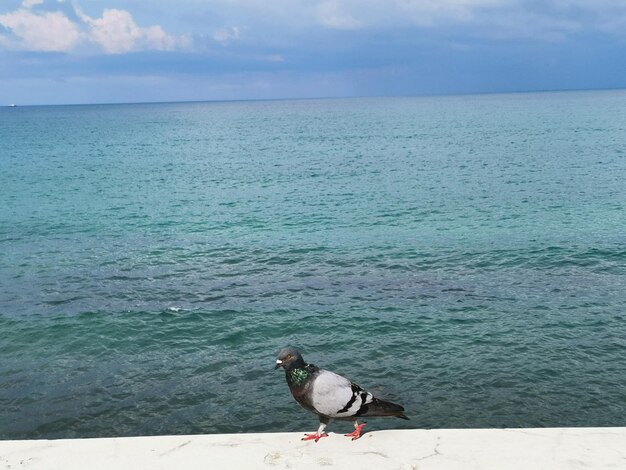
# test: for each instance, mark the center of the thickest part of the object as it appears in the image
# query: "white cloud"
(50, 31)
(116, 32)
(31, 3)
(492, 19)
(333, 16)
(225, 35)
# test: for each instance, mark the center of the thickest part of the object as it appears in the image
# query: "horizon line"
(314, 98)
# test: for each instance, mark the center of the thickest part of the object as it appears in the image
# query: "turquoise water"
(464, 256)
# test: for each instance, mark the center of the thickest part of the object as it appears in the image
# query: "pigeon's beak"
(279, 363)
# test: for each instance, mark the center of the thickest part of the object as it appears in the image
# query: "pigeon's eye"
(289, 356)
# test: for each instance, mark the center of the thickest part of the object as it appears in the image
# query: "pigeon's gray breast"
(335, 396)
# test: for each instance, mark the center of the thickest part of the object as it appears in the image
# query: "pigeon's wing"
(335, 396)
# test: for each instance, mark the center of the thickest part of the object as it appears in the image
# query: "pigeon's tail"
(380, 407)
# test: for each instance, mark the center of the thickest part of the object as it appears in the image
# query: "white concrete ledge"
(510, 449)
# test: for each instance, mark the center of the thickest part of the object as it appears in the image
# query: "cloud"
(56, 25)
(490, 19)
(225, 35)
(31, 3)
(50, 31)
(331, 14)
(115, 32)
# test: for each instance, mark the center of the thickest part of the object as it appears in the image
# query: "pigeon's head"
(289, 358)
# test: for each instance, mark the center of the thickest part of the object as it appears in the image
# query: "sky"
(111, 51)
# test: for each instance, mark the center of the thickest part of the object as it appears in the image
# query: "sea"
(463, 256)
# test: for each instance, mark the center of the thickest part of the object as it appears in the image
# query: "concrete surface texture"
(510, 449)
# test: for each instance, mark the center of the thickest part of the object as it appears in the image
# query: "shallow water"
(464, 256)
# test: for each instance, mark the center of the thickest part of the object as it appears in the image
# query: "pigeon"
(330, 396)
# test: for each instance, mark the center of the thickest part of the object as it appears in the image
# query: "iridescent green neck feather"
(298, 376)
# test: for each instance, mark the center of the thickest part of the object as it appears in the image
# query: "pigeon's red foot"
(315, 437)
(357, 432)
